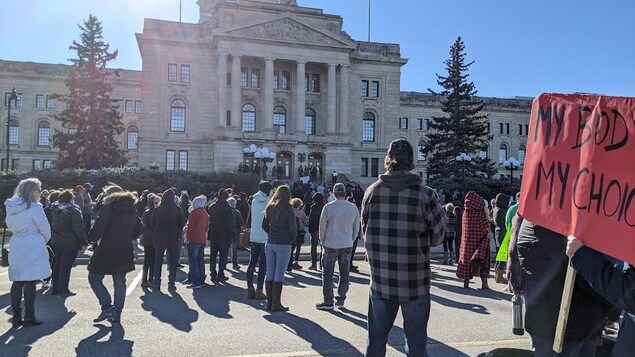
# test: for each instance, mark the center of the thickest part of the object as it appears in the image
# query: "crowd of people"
(399, 218)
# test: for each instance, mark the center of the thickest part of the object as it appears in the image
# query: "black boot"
(29, 306)
(16, 299)
(277, 296)
(16, 320)
(269, 293)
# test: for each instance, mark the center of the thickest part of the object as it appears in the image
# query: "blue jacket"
(616, 286)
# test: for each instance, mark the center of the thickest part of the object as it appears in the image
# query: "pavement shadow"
(178, 314)
(488, 293)
(322, 342)
(479, 309)
(51, 309)
(214, 300)
(437, 348)
(354, 317)
(116, 345)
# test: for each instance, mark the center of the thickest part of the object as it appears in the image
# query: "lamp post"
(153, 166)
(261, 154)
(463, 158)
(12, 97)
(511, 164)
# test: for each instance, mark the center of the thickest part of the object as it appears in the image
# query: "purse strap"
(248, 218)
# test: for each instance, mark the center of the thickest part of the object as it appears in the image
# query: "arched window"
(279, 120)
(132, 137)
(502, 153)
(177, 116)
(249, 117)
(368, 127)
(309, 121)
(521, 154)
(43, 133)
(421, 155)
(14, 132)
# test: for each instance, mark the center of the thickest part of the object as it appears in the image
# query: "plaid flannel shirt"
(401, 219)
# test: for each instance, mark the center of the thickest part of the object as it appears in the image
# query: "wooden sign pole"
(565, 306)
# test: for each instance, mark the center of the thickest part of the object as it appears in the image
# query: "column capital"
(269, 59)
(236, 55)
(300, 62)
(344, 65)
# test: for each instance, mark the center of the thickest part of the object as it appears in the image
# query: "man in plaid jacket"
(401, 220)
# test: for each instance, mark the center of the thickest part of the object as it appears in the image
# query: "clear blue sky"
(521, 48)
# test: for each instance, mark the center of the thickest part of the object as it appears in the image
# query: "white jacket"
(258, 205)
(28, 256)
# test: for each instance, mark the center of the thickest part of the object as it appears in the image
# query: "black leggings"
(448, 243)
(148, 264)
(295, 252)
(29, 298)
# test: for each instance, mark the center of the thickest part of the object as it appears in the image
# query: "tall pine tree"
(91, 120)
(460, 130)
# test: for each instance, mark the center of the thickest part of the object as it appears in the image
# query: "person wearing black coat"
(314, 226)
(114, 231)
(499, 213)
(67, 237)
(239, 223)
(615, 284)
(221, 231)
(147, 240)
(544, 264)
(167, 224)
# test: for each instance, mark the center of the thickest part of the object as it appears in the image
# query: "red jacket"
(197, 226)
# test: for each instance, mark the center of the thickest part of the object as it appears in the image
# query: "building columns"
(300, 99)
(222, 89)
(344, 99)
(236, 92)
(268, 91)
(331, 100)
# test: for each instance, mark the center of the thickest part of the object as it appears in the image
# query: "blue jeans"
(173, 261)
(343, 258)
(381, 316)
(544, 348)
(195, 255)
(235, 243)
(277, 260)
(96, 282)
(259, 258)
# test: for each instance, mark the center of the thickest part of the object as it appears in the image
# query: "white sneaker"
(46, 285)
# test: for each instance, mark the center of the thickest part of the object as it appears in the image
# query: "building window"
(419, 123)
(428, 124)
(276, 80)
(374, 89)
(526, 129)
(255, 78)
(37, 165)
(43, 132)
(171, 72)
(368, 127)
(421, 155)
(521, 154)
(177, 115)
(520, 129)
(503, 128)
(315, 83)
(14, 104)
(229, 79)
(502, 154)
(128, 106)
(507, 128)
(364, 91)
(286, 80)
(183, 160)
(49, 102)
(249, 117)
(14, 132)
(482, 154)
(374, 167)
(39, 100)
(169, 160)
(309, 121)
(403, 123)
(47, 164)
(228, 118)
(279, 120)
(364, 167)
(138, 106)
(185, 73)
(133, 137)
(487, 128)
(500, 128)
(243, 77)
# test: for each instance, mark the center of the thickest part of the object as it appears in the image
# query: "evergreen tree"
(460, 130)
(91, 120)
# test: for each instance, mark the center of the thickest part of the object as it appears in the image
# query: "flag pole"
(180, 9)
(368, 20)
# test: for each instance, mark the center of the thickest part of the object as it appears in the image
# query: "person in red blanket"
(475, 251)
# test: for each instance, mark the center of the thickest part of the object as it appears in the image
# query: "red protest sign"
(579, 173)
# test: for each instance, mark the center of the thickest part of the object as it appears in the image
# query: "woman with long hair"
(280, 224)
(29, 258)
(153, 202)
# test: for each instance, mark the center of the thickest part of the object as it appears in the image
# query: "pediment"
(286, 29)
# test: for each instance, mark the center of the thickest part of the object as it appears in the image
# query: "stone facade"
(268, 73)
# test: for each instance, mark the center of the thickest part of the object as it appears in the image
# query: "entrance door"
(285, 165)
(316, 160)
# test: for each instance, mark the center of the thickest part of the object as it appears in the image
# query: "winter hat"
(401, 151)
(168, 196)
(232, 202)
(199, 202)
(339, 188)
(79, 188)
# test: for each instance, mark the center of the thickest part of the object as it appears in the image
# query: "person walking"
(474, 259)
(314, 226)
(238, 223)
(339, 226)
(450, 235)
(221, 231)
(147, 239)
(167, 222)
(195, 232)
(87, 211)
(401, 215)
(280, 224)
(67, 237)
(117, 226)
(257, 239)
(499, 214)
(29, 258)
(301, 221)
